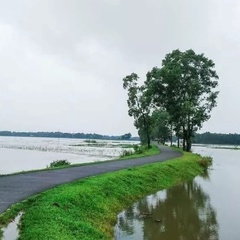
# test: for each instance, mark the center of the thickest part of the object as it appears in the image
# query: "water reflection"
(182, 212)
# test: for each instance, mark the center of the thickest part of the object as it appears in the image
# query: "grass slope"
(87, 209)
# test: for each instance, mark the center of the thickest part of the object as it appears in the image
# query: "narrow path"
(18, 187)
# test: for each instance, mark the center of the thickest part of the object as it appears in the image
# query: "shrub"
(140, 149)
(59, 163)
(126, 153)
(205, 162)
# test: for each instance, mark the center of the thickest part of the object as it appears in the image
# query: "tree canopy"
(139, 106)
(184, 87)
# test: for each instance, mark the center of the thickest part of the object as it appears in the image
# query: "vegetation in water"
(59, 163)
(87, 209)
(205, 162)
(90, 141)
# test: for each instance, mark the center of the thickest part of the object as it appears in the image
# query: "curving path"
(18, 187)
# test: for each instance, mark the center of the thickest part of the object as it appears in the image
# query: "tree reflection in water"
(182, 212)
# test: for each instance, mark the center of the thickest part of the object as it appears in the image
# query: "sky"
(62, 61)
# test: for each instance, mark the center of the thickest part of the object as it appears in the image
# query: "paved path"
(15, 188)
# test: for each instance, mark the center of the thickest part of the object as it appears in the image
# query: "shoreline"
(56, 213)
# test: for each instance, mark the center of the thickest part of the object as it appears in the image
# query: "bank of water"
(207, 207)
(55, 214)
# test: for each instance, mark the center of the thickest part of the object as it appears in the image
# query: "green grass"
(87, 209)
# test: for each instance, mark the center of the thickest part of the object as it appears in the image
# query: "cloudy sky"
(62, 61)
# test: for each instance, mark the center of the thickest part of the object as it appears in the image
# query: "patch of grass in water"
(59, 163)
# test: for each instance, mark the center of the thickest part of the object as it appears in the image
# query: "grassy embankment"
(142, 151)
(87, 209)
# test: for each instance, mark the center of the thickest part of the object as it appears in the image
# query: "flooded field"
(206, 208)
(23, 153)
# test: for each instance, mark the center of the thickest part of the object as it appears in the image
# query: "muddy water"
(206, 208)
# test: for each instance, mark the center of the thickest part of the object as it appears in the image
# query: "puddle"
(11, 232)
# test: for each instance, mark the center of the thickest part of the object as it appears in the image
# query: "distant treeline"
(126, 136)
(217, 138)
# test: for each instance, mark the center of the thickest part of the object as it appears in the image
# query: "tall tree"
(185, 87)
(139, 107)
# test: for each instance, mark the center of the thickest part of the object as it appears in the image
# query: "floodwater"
(29, 153)
(11, 232)
(206, 208)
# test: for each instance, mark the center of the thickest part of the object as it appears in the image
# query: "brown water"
(206, 208)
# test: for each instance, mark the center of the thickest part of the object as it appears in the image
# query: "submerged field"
(29, 153)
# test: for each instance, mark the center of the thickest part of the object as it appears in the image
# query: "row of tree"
(217, 138)
(175, 98)
(126, 136)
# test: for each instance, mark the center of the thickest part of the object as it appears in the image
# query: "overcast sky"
(62, 61)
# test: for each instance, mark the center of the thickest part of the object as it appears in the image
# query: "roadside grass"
(87, 209)
(154, 150)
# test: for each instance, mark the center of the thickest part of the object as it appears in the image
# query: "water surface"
(29, 153)
(206, 208)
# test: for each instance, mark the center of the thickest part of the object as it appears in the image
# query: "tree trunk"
(189, 145)
(148, 142)
(147, 132)
(184, 144)
(171, 136)
(184, 139)
(178, 141)
(189, 142)
(188, 135)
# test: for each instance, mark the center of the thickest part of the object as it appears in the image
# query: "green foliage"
(126, 136)
(59, 163)
(139, 150)
(184, 87)
(161, 126)
(87, 209)
(126, 153)
(143, 151)
(139, 106)
(126, 145)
